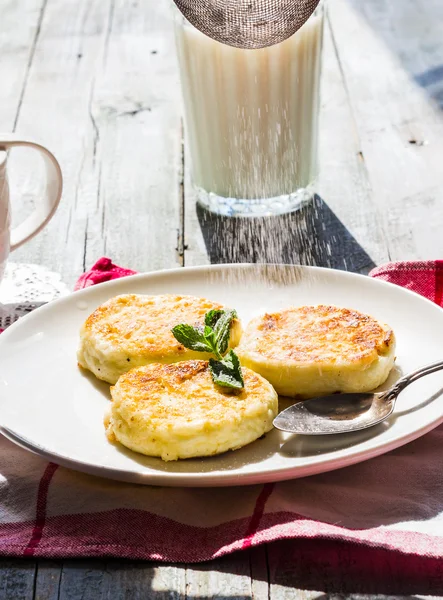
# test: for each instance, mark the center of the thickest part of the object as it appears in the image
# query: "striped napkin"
(390, 506)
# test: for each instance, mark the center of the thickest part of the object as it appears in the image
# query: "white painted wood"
(135, 111)
(224, 578)
(18, 38)
(169, 582)
(399, 125)
(101, 94)
(411, 30)
(55, 109)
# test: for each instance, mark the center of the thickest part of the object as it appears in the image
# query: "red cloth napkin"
(422, 277)
(103, 270)
(386, 511)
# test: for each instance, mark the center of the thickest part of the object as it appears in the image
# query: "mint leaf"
(222, 330)
(214, 338)
(191, 338)
(212, 317)
(227, 372)
(207, 331)
(211, 341)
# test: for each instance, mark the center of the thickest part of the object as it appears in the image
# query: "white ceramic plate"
(57, 411)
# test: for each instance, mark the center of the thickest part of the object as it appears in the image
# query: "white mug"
(45, 206)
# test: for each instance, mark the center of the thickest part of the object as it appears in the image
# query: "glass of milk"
(251, 119)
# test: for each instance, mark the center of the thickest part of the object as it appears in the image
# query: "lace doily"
(25, 287)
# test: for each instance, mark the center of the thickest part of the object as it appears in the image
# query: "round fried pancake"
(176, 411)
(133, 330)
(318, 350)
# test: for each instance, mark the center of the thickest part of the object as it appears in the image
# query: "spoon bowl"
(342, 413)
(339, 413)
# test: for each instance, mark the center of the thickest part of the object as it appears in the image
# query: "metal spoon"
(341, 413)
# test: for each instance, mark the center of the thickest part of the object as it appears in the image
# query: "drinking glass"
(251, 119)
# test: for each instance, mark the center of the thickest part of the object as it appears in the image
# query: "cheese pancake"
(318, 350)
(132, 330)
(176, 411)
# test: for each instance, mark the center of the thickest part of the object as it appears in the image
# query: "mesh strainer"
(247, 23)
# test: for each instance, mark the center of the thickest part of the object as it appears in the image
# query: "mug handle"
(47, 205)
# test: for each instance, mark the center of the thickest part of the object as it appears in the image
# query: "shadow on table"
(285, 569)
(311, 236)
(138, 580)
(326, 566)
(400, 24)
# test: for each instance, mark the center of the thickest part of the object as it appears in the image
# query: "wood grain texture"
(18, 40)
(55, 110)
(258, 560)
(47, 580)
(85, 580)
(168, 582)
(225, 578)
(101, 93)
(112, 580)
(17, 579)
(399, 123)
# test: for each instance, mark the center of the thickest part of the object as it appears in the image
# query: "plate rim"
(220, 480)
(225, 478)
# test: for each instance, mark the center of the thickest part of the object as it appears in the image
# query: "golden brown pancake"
(317, 350)
(132, 330)
(176, 411)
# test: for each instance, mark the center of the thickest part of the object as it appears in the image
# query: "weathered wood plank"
(18, 38)
(258, 558)
(112, 580)
(342, 227)
(399, 124)
(224, 578)
(139, 142)
(348, 574)
(101, 94)
(83, 580)
(164, 582)
(412, 32)
(17, 579)
(47, 582)
(55, 109)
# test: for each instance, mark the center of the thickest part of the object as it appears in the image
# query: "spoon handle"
(411, 377)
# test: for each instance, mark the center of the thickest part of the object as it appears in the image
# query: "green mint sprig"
(214, 338)
(227, 372)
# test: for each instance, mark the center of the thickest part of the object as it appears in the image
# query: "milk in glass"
(252, 119)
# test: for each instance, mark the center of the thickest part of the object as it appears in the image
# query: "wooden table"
(96, 81)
